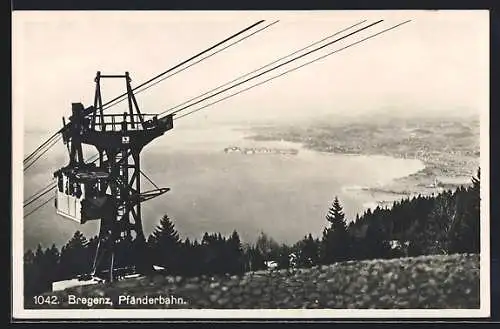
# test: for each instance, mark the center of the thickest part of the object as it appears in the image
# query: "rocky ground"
(422, 282)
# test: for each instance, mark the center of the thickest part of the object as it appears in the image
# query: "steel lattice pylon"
(111, 190)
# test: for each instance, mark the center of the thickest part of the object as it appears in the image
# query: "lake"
(284, 195)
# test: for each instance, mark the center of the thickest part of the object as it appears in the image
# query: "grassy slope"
(421, 282)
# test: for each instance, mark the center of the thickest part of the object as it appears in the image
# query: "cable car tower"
(109, 190)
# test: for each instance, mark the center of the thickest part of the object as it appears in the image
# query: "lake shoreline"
(431, 179)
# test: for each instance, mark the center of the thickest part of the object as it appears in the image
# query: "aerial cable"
(27, 166)
(278, 66)
(38, 207)
(290, 70)
(151, 80)
(33, 154)
(42, 146)
(186, 61)
(38, 194)
(262, 67)
(194, 63)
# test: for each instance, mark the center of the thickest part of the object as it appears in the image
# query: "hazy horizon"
(437, 63)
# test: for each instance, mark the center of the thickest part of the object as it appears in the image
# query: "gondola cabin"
(81, 194)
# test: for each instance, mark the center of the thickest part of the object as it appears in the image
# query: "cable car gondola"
(80, 194)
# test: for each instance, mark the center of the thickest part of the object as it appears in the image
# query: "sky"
(436, 64)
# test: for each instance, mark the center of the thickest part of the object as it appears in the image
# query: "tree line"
(445, 223)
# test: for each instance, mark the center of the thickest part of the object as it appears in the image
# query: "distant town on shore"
(260, 150)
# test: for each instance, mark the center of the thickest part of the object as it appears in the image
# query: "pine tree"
(335, 244)
(235, 242)
(336, 216)
(78, 240)
(52, 258)
(165, 232)
(29, 278)
(474, 211)
(439, 225)
(164, 245)
(254, 260)
(182, 266)
(29, 257)
(308, 250)
(284, 256)
(75, 257)
(33, 272)
(466, 233)
(267, 246)
(40, 270)
(208, 254)
(38, 254)
(191, 258)
(375, 245)
(235, 254)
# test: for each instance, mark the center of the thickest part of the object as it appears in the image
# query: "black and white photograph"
(250, 164)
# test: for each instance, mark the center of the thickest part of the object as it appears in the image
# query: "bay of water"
(286, 196)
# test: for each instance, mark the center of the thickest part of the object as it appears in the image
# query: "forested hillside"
(447, 223)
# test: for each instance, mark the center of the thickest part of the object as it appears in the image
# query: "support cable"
(43, 145)
(186, 61)
(32, 162)
(290, 70)
(260, 68)
(194, 63)
(276, 67)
